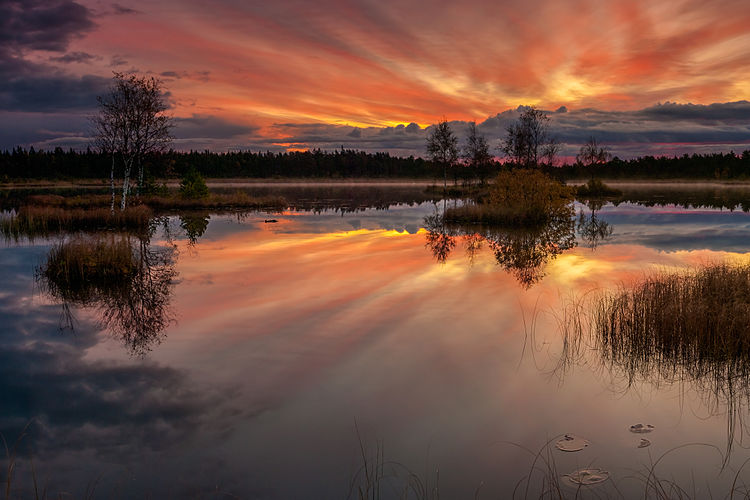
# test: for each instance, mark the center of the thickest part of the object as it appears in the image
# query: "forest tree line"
(59, 164)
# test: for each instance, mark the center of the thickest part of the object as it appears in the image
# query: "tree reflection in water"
(524, 252)
(194, 225)
(592, 229)
(128, 280)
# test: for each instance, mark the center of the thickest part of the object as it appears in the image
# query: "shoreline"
(368, 181)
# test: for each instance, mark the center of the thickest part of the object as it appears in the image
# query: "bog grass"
(698, 320)
(49, 214)
(41, 221)
(85, 267)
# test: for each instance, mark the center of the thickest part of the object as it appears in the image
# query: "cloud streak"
(348, 68)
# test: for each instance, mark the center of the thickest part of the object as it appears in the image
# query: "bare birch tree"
(442, 146)
(528, 142)
(131, 124)
(476, 152)
(593, 155)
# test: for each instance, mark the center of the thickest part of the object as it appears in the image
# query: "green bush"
(192, 185)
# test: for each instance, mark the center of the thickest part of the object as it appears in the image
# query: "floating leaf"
(571, 442)
(641, 428)
(587, 477)
(645, 443)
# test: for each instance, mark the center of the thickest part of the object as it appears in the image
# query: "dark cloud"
(75, 57)
(210, 127)
(413, 128)
(117, 60)
(43, 130)
(718, 112)
(664, 129)
(123, 10)
(178, 75)
(25, 86)
(42, 24)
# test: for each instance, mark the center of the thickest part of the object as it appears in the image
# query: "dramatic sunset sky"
(643, 76)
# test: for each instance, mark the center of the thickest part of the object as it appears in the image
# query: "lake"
(294, 354)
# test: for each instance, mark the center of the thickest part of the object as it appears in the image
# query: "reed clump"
(521, 197)
(83, 268)
(695, 323)
(41, 221)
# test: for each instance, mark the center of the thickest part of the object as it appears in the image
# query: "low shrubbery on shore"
(42, 215)
(39, 221)
(519, 197)
(595, 188)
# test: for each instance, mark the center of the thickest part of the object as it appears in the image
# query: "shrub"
(595, 188)
(192, 185)
(518, 197)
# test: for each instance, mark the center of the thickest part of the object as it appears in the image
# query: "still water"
(284, 352)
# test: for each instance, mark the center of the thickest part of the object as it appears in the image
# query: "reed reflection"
(689, 328)
(128, 280)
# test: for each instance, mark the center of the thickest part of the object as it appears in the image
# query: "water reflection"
(128, 280)
(591, 228)
(523, 252)
(689, 329)
(194, 225)
(317, 325)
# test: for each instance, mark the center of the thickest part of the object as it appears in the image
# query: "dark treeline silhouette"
(60, 164)
(707, 166)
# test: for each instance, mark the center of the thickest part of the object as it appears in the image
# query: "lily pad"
(641, 428)
(645, 443)
(571, 442)
(588, 477)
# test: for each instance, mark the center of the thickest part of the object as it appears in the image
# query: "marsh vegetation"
(520, 198)
(689, 328)
(42, 215)
(125, 279)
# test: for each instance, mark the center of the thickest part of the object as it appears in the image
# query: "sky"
(641, 76)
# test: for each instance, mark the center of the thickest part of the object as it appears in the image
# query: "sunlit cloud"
(371, 65)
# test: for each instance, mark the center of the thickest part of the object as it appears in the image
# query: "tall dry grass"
(698, 321)
(83, 268)
(42, 221)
